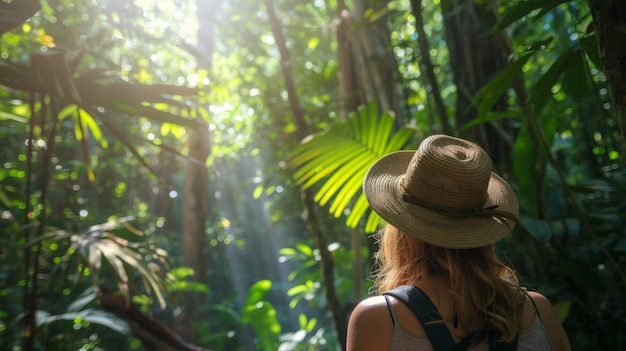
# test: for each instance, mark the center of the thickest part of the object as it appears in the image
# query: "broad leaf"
(125, 258)
(336, 160)
(522, 9)
(489, 94)
(103, 318)
(542, 90)
(261, 315)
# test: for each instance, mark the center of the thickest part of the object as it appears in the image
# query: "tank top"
(534, 339)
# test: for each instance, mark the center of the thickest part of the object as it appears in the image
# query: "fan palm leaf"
(337, 159)
(99, 245)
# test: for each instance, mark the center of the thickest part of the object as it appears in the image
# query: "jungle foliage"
(97, 102)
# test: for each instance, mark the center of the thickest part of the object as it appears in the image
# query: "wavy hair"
(486, 292)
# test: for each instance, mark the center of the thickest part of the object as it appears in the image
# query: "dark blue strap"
(426, 312)
(436, 330)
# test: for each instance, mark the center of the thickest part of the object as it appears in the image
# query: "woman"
(444, 209)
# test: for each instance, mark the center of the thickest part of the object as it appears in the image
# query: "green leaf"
(9, 116)
(493, 116)
(258, 191)
(114, 256)
(589, 44)
(262, 316)
(4, 199)
(562, 309)
(373, 222)
(287, 251)
(399, 139)
(257, 291)
(228, 311)
(524, 168)
(93, 127)
(542, 90)
(305, 249)
(188, 286)
(338, 158)
(122, 255)
(181, 272)
(311, 325)
(538, 228)
(489, 94)
(121, 136)
(517, 11)
(358, 209)
(103, 318)
(575, 80)
(353, 169)
(83, 300)
(301, 268)
(302, 320)
(298, 289)
(521, 9)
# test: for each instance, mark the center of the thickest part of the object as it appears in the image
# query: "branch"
(153, 335)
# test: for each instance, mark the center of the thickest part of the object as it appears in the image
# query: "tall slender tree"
(310, 208)
(609, 19)
(476, 55)
(368, 70)
(428, 67)
(196, 195)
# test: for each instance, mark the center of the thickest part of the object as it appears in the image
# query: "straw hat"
(445, 193)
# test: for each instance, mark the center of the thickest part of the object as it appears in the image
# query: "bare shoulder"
(550, 321)
(541, 301)
(370, 326)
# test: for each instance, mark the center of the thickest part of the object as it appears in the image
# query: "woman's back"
(533, 335)
(533, 339)
(393, 326)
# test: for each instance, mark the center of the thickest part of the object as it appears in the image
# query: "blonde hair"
(486, 292)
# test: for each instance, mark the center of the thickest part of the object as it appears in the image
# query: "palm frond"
(336, 160)
(98, 245)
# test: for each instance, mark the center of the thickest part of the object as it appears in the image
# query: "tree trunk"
(327, 262)
(194, 233)
(609, 20)
(475, 56)
(428, 67)
(367, 72)
(372, 64)
(348, 89)
(196, 206)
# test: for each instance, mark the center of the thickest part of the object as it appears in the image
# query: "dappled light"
(190, 173)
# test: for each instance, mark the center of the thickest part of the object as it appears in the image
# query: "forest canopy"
(186, 175)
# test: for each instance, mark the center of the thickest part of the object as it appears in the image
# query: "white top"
(534, 339)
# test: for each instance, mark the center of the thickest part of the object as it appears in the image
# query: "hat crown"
(448, 172)
(445, 193)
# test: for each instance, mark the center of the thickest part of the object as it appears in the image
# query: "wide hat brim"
(383, 189)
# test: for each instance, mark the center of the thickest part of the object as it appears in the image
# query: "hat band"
(491, 211)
